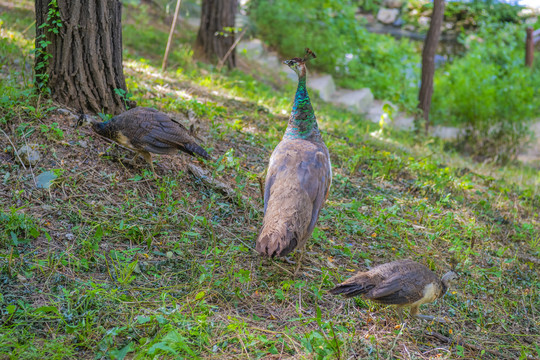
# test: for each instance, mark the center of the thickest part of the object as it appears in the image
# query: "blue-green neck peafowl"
(146, 131)
(298, 177)
(402, 283)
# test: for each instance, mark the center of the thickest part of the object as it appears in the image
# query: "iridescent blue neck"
(302, 123)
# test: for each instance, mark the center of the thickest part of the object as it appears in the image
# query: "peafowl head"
(299, 64)
(87, 120)
(449, 277)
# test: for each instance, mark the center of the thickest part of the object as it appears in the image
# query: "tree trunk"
(428, 62)
(80, 60)
(216, 36)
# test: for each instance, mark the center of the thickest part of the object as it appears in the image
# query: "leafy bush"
(464, 15)
(17, 228)
(490, 92)
(345, 49)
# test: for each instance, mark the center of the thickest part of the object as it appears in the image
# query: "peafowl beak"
(287, 62)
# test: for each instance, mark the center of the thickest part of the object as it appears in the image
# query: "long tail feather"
(276, 241)
(194, 149)
(350, 290)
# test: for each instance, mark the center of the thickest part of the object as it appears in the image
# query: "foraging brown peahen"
(298, 177)
(146, 131)
(402, 283)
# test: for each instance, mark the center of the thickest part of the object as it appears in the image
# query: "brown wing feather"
(399, 282)
(156, 132)
(297, 184)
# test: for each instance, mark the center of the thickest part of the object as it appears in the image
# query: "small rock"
(531, 20)
(291, 75)
(270, 60)
(409, 27)
(45, 180)
(169, 254)
(423, 21)
(70, 236)
(193, 22)
(392, 4)
(83, 144)
(399, 22)
(29, 154)
(324, 85)
(358, 101)
(387, 16)
(252, 48)
(64, 112)
(445, 132)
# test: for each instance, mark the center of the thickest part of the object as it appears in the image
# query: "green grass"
(109, 263)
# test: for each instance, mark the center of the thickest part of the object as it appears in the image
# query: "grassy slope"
(109, 262)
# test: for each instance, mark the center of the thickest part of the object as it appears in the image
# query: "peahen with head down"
(298, 177)
(402, 283)
(147, 131)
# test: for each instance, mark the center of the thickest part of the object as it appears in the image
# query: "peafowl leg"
(400, 313)
(148, 157)
(261, 178)
(300, 260)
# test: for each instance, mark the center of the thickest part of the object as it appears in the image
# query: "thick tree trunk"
(428, 62)
(84, 69)
(214, 38)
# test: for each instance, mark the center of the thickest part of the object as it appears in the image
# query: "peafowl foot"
(261, 177)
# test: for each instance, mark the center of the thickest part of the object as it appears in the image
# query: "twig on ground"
(218, 185)
(463, 343)
(14, 149)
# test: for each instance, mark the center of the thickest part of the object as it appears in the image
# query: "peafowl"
(146, 131)
(298, 177)
(402, 283)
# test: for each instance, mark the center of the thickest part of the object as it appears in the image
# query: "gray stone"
(392, 4)
(531, 154)
(270, 60)
(45, 179)
(324, 85)
(291, 75)
(531, 21)
(65, 112)
(398, 120)
(251, 48)
(29, 154)
(358, 101)
(423, 21)
(446, 132)
(193, 22)
(399, 22)
(387, 16)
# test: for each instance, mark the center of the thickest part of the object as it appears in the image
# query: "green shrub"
(345, 49)
(489, 92)
(17, 228)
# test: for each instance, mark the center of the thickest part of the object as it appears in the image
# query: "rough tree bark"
(428, 62)
(85, 65)
(213, 39)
